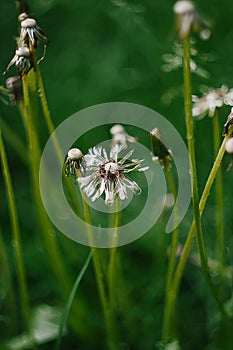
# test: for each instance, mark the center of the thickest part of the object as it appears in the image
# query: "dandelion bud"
(159, 150)
(229, 146)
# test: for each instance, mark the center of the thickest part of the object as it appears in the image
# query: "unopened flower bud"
(159, 150)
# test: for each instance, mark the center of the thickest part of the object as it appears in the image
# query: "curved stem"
(189, 240)
(219, 247)
(70, 300)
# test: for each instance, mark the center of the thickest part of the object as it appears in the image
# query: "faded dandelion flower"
(75, 163)
(22, 60)
(120, 136)
(189, 20)
(186, 17)
(212, 100)
(30, 31)
(107, 174)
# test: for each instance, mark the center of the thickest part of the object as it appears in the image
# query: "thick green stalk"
(188, 243)
(193, 172)
(219, 247)
(14, 140)
(16, 237)
(48, 236)
(109, 320)
(167, 320)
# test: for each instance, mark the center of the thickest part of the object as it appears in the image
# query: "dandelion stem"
(113, 260)
(48, 236)
(109, 320)
(16, 239)
(191, 148)
(168, 320)
(218, 195)
(188, 242)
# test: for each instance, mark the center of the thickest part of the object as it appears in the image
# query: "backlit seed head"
(116, 129)
(75, 163)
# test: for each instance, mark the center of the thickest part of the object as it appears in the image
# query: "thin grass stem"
(188, 243)
(219, 219)
(70, 301)
(16, 238)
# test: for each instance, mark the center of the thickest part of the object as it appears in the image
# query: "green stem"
(113, 261)
(219, 248)
(14, 140)
(9, 297)
(16, 239)
(193, 172)
(70, 301)
(109, 320)
(46, 230)
(188, 243)
(168, 321)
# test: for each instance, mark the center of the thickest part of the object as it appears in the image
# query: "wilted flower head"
(22, 60)
(75, 163)
(120, 136)
(107, 174)
(160, 152)
(14, 87)
(208, 103)
(188, 19)
(30, 31)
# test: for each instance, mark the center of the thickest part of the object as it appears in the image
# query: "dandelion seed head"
(107, 174)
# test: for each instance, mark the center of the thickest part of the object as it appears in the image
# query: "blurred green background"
(114, 51)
